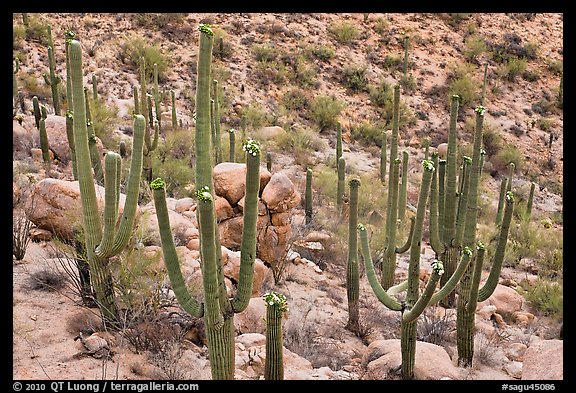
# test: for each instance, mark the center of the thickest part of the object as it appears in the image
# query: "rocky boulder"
(230, 181)
(432, 361)
(506, 300)
(55, 205)
(280, 194)
(58, 138)
(544, 361)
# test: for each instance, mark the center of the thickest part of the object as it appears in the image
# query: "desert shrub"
(322, 52)
(159, 20)
(46, 279)
(380, 25)
(382, 95)
(463, 85)
(265, 52)
(302, 74)
(104, 116)
(556, 67)
(324, 111)
(507, 154)
(546, 297)
(434, 327)
(256, 116)
(20, 234)
(491, 140)
(367, 133)
(511, 69)
(222, 48)
(134, 47)
(294, 99)
(18, 36)
(343, 32)
(37, 30)
(300, 141)
(454, 19)
(354, 78)
(474, 46)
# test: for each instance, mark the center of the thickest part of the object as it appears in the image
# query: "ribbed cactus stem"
(92, 144)
(402, 198)
(450, 203)
(174, 117)
(70, 136)
(37, 115)
(217, 144)
(276, 306)
(54, 80)
(14, 79)
(143, 93)
(136, 93)
(122, 149)
(249, 231)
(352, 272)
(389, 261)
(232, 144)
(381, 294)
(100, 275)
(492, 281)
(151, 118)
(395, 129)
(44, 143)
(269, 162)
(308, 196)
(435, 242)
(530, 200)
(383, 158)
(405, 67)
(94, 87)
(43, 112)
(338, 141)
(341, 183)
(170, 256)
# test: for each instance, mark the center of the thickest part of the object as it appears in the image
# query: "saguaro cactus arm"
(424, 299)
(406, 246)
(379, 291)
(490, 285)
(188, 303)
(455, 278)
(248, 244)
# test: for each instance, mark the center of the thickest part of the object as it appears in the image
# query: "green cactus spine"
(37, 114)
(341, 184)
(276, 306)
(352, 274)
(232, 152)
(308, 196)
(174, 117)
(217, 309)
(102, 243)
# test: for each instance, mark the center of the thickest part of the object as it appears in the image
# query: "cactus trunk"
(308, 196)
(274, 363)
(341, 184)
(352, 276)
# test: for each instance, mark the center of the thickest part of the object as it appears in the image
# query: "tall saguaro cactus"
(469, 293)
(174, 117)
(216, 122)
(107, 240)
(338, 141)
(217, 309)
(308, 196)
(276, 305)
(352, 275)
(341, 184)
(53, 80)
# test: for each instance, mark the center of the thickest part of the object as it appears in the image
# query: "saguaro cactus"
(352, 275)
(341, 184)
(103, 242)
(308, 196)
(216, 123)
(69, 36)
(94, 153)
(469, 294)
(403, 198)
(53, 80)
(217, 309)
(232, 152)
(94, 87)
(415, 302)
(269, 162)
(530, 201)
(44, 144)
(383, 158)
(157, 98)
(276, 306)
(338, 141)
(174, 117)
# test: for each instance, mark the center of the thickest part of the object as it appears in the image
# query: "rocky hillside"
(290, 78)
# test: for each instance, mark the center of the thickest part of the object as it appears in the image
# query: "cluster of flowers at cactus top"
(157, 184)
(206, 29)
(438, 267)
(275, 299)
(203, 194)
(251, 147)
